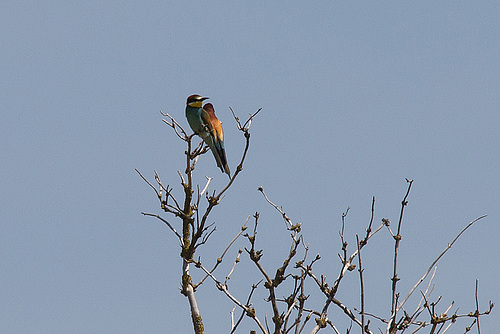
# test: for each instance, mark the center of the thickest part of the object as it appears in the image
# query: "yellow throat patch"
(196, 104)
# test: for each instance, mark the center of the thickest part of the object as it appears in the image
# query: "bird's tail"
(226, 169)
(219, 153)
(222, 161)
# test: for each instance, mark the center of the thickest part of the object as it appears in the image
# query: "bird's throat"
(196, 104)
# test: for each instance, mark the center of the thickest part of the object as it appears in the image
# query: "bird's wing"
(207, 121)
(217, 136)
(213, 124)
(217, 128)
(211, 138)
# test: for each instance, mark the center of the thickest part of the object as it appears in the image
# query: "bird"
(206, 125)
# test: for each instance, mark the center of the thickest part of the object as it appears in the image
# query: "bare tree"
(292, 314)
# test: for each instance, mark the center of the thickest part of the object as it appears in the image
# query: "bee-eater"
(205, 124)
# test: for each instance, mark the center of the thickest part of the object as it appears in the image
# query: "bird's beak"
(204, 98)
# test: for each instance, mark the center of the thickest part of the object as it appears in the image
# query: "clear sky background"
(356, 97)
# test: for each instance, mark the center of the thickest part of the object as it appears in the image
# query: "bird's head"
(195, 101)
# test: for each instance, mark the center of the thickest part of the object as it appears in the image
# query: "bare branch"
(350, 314)
(436, 261)
(222, 287)
(254, 286)
(149, 183)
(209, 179)
(290, 308)
(246, 126)
(287, 219)
(219, 260)
(369, 229)
(167, 223)
(395, 277)
(237, 260)
(176, 126)
(477, 309)
(361, 286)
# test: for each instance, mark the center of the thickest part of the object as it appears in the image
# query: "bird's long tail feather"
(219, 153)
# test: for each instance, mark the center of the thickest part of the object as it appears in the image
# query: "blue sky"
(355, 98)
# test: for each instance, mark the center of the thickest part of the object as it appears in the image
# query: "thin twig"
(254, 286)
(436, 261)
(427, 291)
(477, 309)
(209, 179)
(175, 125)
(149, 183)
(287, 314)
(369, 229)
(248, 123)
(341, 233)
(232, 318)
(287, 219)
(222, 287)
(237, 260)
(395, 277)
(219, 259)
(330, 292)
(361, 286)
(167, 223)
